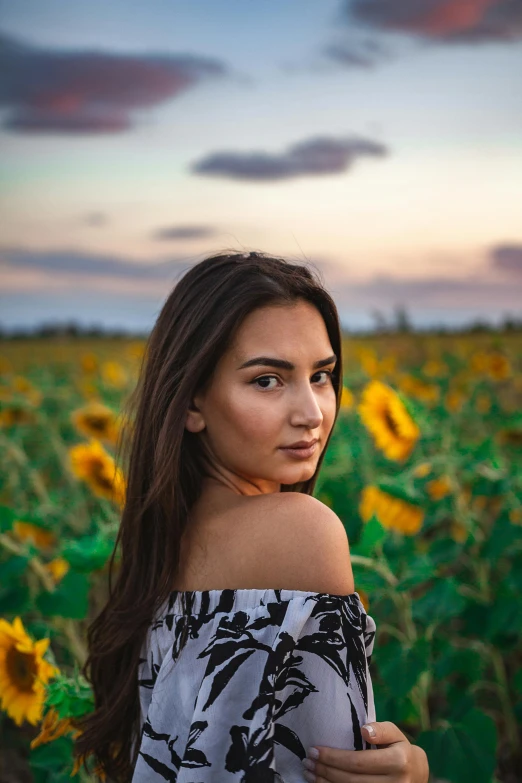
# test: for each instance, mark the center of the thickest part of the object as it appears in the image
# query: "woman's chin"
(300, 473)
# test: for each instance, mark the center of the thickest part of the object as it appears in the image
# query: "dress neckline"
(244, 598)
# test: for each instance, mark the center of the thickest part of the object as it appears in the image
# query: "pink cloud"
(90, 92)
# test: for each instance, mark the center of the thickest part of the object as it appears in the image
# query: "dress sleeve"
(325, 691)
(267, 685)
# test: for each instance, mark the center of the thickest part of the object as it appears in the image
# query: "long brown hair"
(163, 466)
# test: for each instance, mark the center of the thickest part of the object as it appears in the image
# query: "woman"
(233, 640)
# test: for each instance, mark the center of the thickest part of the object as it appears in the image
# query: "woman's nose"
(307, 408)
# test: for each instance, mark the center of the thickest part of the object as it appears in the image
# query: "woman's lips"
(300, 453)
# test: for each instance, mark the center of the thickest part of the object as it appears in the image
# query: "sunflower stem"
(19, 456)
(69, 630)
(507, 707)
(374, 565)
(34, 562)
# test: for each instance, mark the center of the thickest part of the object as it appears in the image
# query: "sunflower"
(5, 365)
(89, 362)
(98, 769)
(385, 416)
(439, 488)
(498, 367)
(434, 368)
(97, 421)
(427, 392)
(369, 361)
(483, 403)
(392, 512)
(114, 374)
(57, 567)
(479, 362)
(52, 728)
(422, 470)
(479, 503)
(23, 673)
(88, 389)
(458, 532)
(347, 398)
(25, 531)
(515, 516)
(91, 463)
(16, 414)
(372, 366)
(454, 400)
(136, 349)
(511, 436)
(23, 386)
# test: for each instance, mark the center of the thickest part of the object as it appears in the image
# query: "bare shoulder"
(301, 544)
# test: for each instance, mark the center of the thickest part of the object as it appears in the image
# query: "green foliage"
(52, 762)
(447, 602)
(70, 599)
(70, 696)
(447, 664)
(464, 751)
(373, 534)
(88, 553)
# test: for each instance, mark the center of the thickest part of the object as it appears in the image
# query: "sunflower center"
(99, 474)
(98, 423)
(513, 436)
(390, 421)
(21, 669)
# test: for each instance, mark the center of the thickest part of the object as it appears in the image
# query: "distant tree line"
(399, 323)
(69, 330)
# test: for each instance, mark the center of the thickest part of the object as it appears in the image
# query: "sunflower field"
(424, 468)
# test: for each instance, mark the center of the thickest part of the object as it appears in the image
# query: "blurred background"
(378, 140)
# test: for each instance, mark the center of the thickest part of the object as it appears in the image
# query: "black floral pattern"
(264, 675)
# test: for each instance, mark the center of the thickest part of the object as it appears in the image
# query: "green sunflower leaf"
(464, 752)
(7, 518)
(70, 599)
(88, 553)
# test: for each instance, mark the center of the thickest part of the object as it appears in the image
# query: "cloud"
(447, 21)
(42, 273)
(365, 54)
(317, 156)
(507, 258)
(72, 262)
(79, 92)
(183, 232)
(420, 294)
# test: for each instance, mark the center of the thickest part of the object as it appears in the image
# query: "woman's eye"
(328, 373)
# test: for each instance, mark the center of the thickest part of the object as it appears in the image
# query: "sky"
(379, 141)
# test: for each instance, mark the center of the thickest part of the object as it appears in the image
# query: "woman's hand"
(398, 761)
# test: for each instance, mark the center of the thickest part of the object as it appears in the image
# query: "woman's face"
(248, 414)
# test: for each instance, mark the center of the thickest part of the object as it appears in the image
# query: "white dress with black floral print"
(264, 675)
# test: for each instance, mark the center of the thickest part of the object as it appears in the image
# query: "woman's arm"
(397, 761)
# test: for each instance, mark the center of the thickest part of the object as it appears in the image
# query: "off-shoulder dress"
(264, 675)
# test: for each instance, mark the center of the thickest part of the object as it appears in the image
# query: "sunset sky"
(379, 140)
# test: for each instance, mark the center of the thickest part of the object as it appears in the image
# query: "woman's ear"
(194, 421)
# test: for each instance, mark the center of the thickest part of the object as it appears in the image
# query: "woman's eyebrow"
(282, 364)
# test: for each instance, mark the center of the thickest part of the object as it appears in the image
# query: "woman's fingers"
(399, 762)
(353, 777)
(383, 733)
(394, 758)
(379, 762)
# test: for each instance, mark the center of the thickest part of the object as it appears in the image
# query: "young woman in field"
(233, 642)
